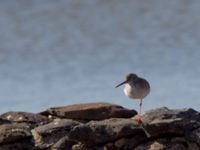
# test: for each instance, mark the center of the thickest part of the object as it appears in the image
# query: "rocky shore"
(100, 126)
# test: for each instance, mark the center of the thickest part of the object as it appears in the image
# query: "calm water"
(71, 51)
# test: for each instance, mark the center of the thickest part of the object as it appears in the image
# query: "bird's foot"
(137, 119)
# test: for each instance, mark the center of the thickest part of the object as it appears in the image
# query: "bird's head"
(129, 78)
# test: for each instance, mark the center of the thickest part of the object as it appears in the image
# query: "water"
(63, 52)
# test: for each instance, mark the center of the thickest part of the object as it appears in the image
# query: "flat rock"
(164, 121)
(49, 134)
(14, 132)
(90, 111)
(34, 119)
(97, 132)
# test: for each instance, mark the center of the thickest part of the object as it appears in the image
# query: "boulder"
(194, 136)
(174, 122)
(129, 143)
(90, 111)
(49, 134)
(14, 132)
(26, 117)
(63, 144)
(98, 132)
(176, 143)
(3, 121)
(23, 144)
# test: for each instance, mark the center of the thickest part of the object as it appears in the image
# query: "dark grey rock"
(3, 121)
(130, 143)
(47, 135)
(90, 111)
(177, 143)
(79, 146)
(97, 132)
(109, 146)
(194, 136)
(33, 119)
(24, 144)
(164, 121)
(63, 144)
(14, 132)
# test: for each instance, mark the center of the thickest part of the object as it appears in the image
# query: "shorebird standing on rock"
(136, 88)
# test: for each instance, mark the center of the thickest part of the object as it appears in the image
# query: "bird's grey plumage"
(138, 88)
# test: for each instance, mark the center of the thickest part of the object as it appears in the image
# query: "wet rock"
(33, 119)
(47, 135)
(90, 111)
(14, 132)
(164, 121)
(97, 132)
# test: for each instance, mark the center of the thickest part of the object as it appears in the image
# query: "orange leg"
(137, 118)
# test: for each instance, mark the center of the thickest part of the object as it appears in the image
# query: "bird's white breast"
(135, 92)
(127, 90)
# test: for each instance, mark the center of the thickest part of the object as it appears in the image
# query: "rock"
(120, 143)
(78, 146)
(164, 121)
(2, 121)
(90, 111)
(14, 132)
(47, 135)
(193, 146)
(63, 144)
(33, 119)
(130, 143)
(25, 144)
(165, 113)
(97, 132)
(109, 146)
(164, 144)
(194, 136)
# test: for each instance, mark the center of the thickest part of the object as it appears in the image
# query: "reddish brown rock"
(90, 111)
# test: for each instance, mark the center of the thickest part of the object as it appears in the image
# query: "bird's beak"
(121, 84)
